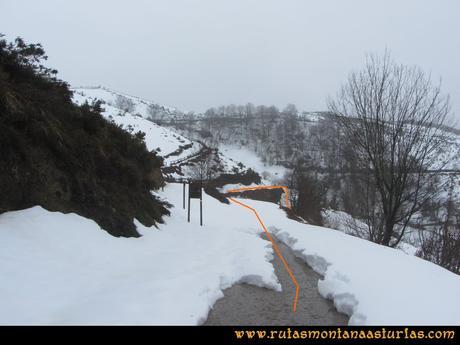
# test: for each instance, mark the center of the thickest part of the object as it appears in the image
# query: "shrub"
(65, 157)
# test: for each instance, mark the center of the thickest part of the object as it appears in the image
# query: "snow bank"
(63, 269)
(373, 284)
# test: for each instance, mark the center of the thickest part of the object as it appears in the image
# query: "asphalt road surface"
(246, 304)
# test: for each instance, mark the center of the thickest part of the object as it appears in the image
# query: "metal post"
(188, 216)
(183, 195)
(201, 206)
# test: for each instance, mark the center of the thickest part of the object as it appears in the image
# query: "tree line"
(377, 153)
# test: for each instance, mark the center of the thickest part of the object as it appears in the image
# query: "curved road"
(249, 305)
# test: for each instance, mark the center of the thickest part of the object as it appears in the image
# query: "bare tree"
(125, 104)
(290, 109)
(394, 117)
(205, 169)
(155, 112)
(441, 243)
(307, 192)
(249, 110)
(442, 246)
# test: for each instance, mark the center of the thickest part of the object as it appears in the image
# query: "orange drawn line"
(275, 247)
(284, 188)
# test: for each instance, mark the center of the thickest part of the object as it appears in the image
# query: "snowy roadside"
(373, 284)
(63, 269)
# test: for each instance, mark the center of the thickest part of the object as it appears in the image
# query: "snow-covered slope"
(61, 269)
(110, 96)
(166, 142)
(271, 174)
(173, 147)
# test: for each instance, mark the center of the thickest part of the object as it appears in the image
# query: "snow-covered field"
(63, 269)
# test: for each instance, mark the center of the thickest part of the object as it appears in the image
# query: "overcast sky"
(194, 54)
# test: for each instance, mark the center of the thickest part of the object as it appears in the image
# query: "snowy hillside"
(110, 97)
(271, 174)
(167, 143)
(176, 149)
(61, 269)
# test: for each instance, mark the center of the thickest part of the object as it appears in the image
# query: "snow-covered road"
(249, 305)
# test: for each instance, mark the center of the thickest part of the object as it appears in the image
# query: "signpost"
(195, 191)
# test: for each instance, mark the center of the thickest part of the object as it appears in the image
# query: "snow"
(155, 136)
(449, 159)
(158, 137)
(63, 269)
(312, 116)
(342, 221)
(374, 284)
(109, 96)
(224, 189)
(170, 145)
(269, 173)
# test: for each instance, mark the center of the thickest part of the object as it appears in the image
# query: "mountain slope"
(179, 153)
(168, 142)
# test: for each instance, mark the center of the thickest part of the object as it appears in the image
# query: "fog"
(197, 54)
